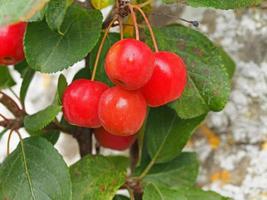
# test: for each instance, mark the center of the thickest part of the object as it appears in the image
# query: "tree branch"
(84, 138)
(11, 105)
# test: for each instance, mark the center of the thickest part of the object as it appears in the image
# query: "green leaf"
(21, 68)
(55, 13)
(179, 172)
(155, 192)
(35, 170)
(6, 79)
(228, 63)
(166, 134)
(222, 4)
(198, 194)
(159, 192)
(51, 135)
(83, 73)
(121, 162)
(61, 86)
(96, 177)
(12, 11)
(42, 118)
(39, 16)
(27, 78)
(120, 197)
(48, 51)
(100, 73)
(208, 86)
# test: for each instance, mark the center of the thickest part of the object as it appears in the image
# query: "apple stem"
(134, 22)
(9, 138)
(148, 26)
(141, 5)
(121, 27)
(101, 47)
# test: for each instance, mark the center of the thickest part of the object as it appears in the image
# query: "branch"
(134, 154)
(84, 138)
(11, 105)
(14, 124)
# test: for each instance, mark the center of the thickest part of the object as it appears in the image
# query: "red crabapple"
(122, 112)
(80, 102)
(129, 63)
(168, 80)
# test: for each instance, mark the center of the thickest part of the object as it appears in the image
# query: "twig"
(84, 138)
(11, 105)
(134, 155)
(101, 46)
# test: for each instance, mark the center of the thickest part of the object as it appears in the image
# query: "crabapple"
(11, 43)
(168, 80)
(80, 102)
(129, 63)
(122, 112)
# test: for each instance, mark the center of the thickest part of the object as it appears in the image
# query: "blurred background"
(232, 144)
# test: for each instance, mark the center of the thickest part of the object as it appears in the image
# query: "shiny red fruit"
(11, 43)
(80, 103)
(115, 142)
(168, 80)
(122, 112)
(129, 63)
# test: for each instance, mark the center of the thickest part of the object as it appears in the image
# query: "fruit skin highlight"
(80, 102)
(168, 80)
(115, 142)
(122, 112)
(11, 43)
(129, 63)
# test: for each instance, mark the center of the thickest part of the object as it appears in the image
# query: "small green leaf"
(101, 74)
(27, 78)
(42, 118)
(21, 68)
(198, 194)
(228, 63)
(39, 16)
(35, 170)
(12, 11)
(222, 4)
(155, 192)
(51, 135)
(61, 86)
(166, 134)
(48, 51)
(96, 177)
(83, 73)
(6, 79)
(121, 162)
(208, 86)
(55, 13)
(179, 172)
(159, 192)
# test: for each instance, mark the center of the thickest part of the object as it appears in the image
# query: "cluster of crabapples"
(141, 77)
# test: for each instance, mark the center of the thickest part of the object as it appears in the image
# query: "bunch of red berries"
(141, 78)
